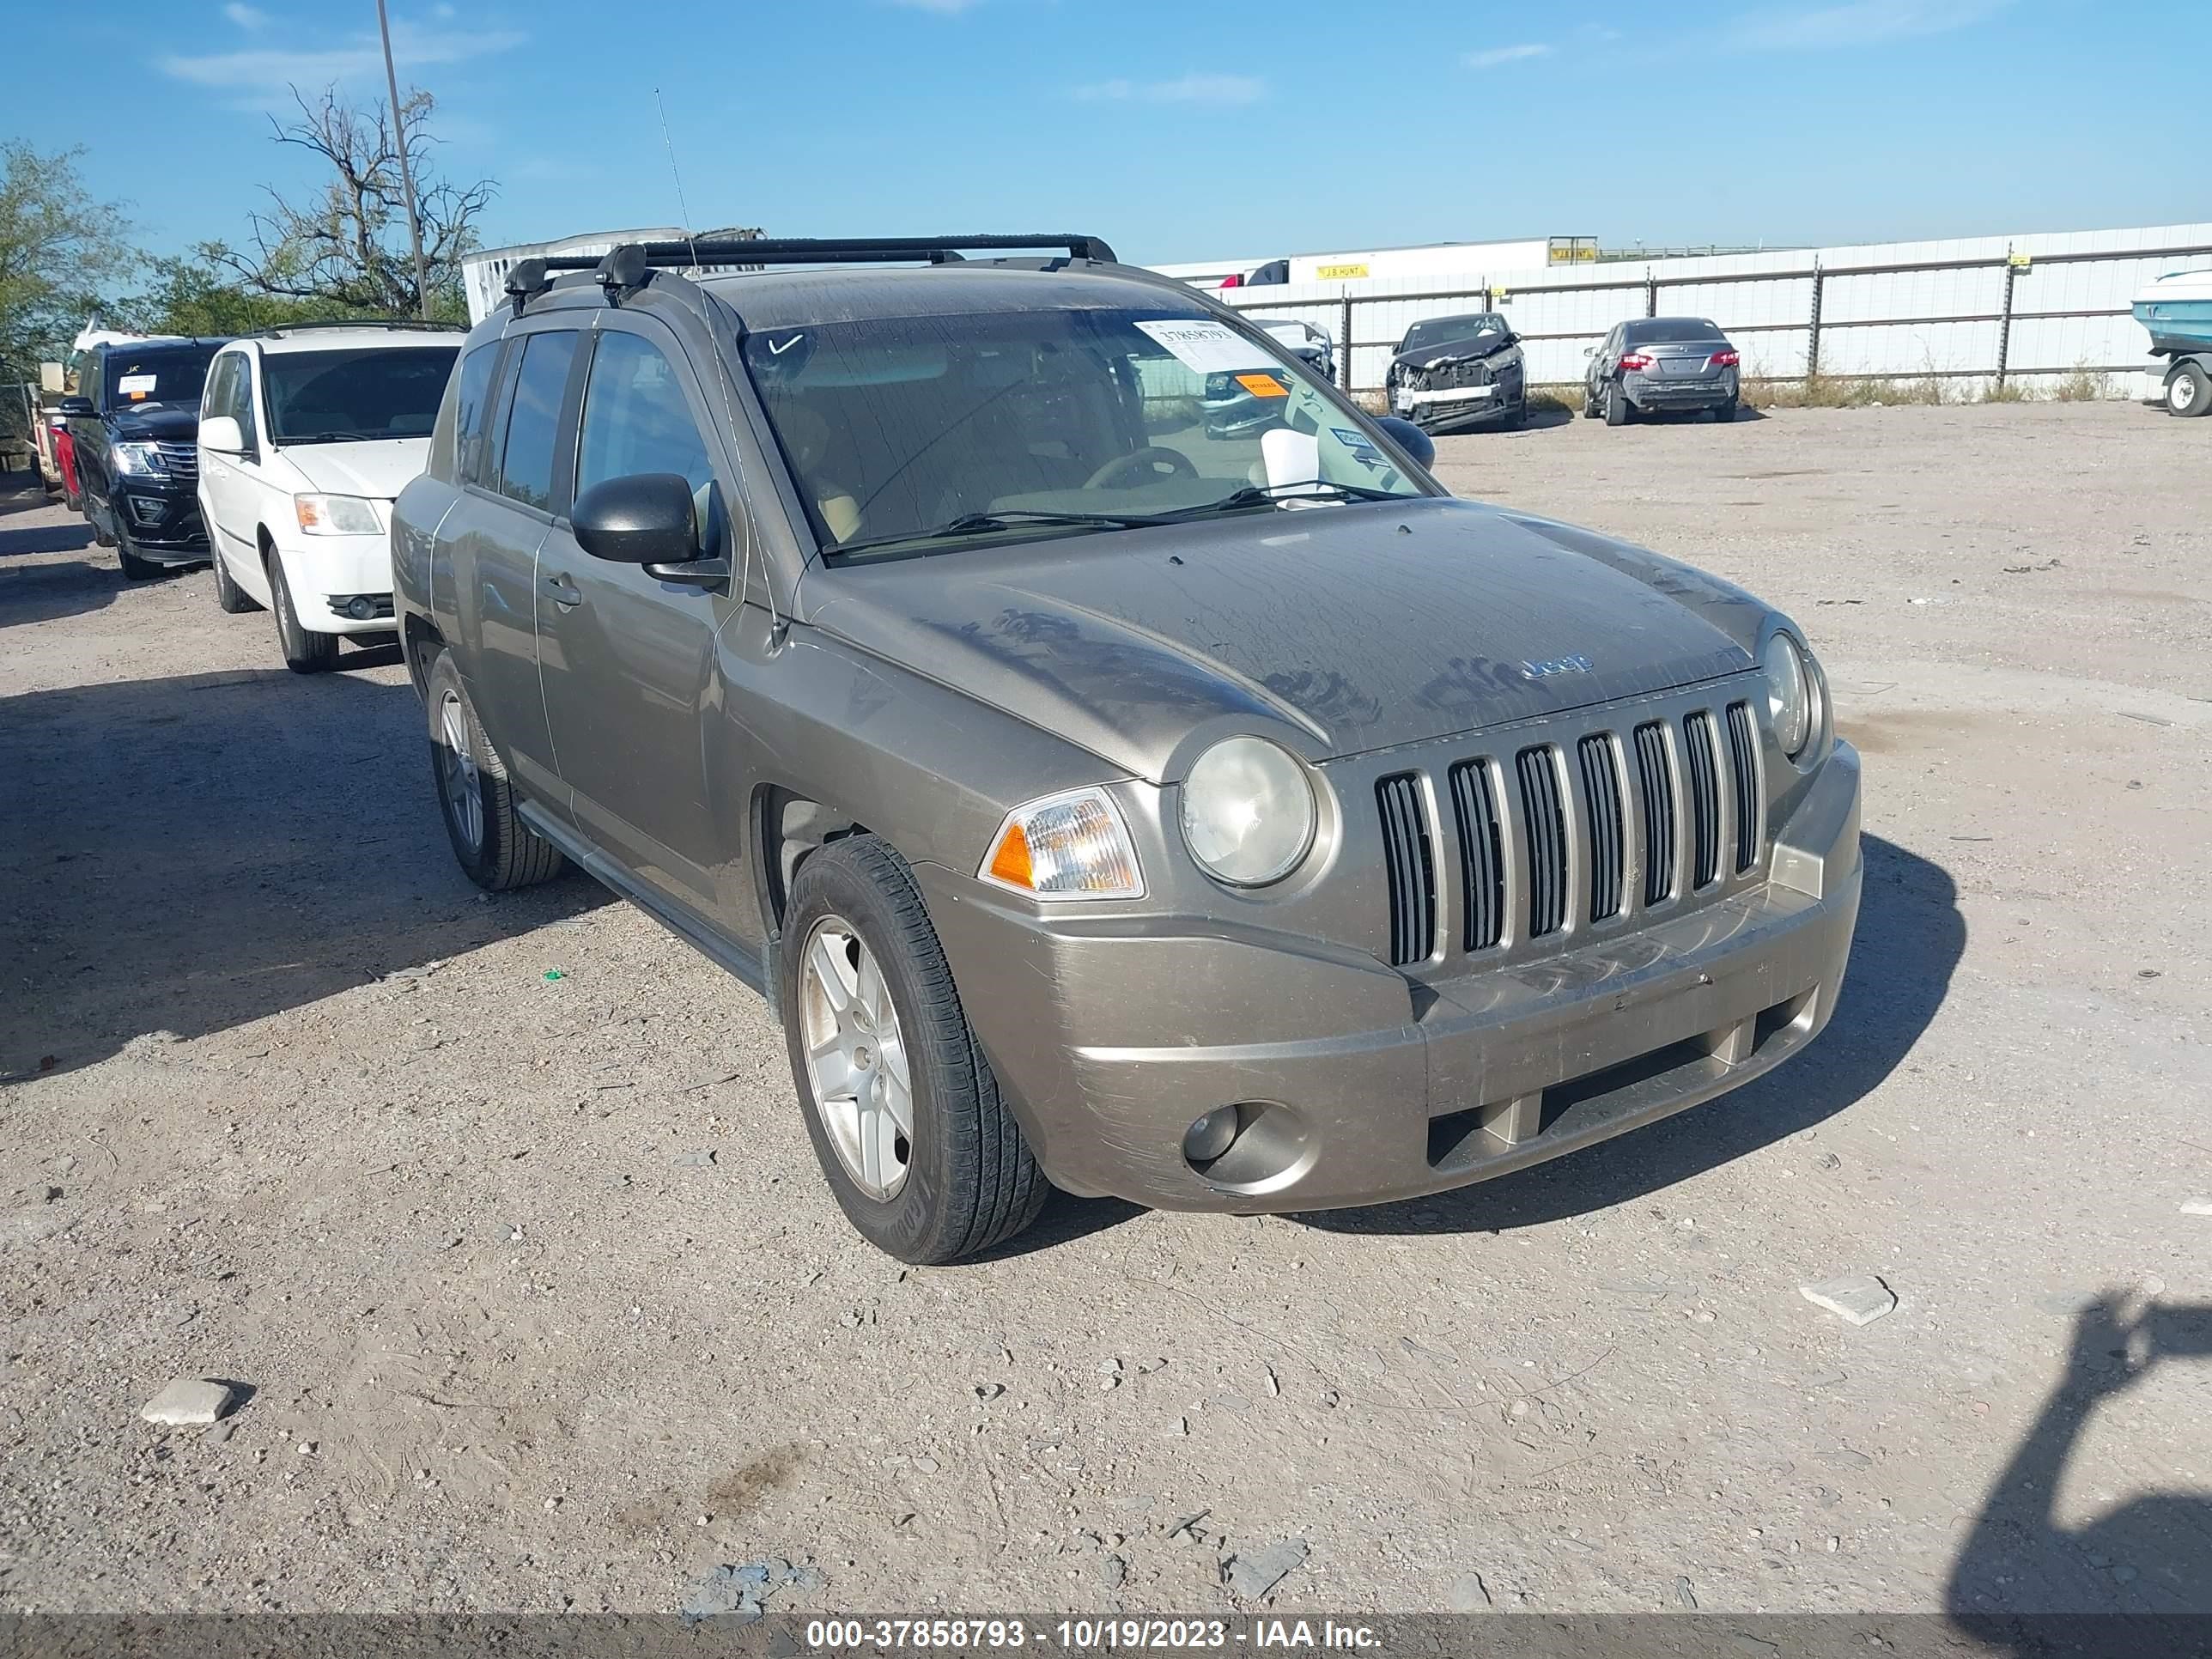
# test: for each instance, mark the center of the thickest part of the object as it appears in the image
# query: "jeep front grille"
(1540, 848)
(1412, 868)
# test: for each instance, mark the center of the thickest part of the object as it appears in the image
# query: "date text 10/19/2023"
(1087, 1635)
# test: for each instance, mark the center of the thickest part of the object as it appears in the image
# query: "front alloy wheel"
(856, 1062)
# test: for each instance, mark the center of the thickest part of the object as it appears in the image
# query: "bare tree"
(348, 249)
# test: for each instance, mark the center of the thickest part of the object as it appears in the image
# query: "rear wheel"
(920, 1147)
(2189, 391)
(1725, 412)
(1618, 409)
(229, 597)
(305, 651)
(497, 849)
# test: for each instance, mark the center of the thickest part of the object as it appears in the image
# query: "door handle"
(565, 593)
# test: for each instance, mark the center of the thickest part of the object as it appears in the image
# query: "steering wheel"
(1144, 465)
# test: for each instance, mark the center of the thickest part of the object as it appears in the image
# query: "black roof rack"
(829, 251)
(280, 330)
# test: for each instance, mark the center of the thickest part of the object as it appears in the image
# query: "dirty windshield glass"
(336, 397)
(1485, 331)
(138, 376)
(1038, 422)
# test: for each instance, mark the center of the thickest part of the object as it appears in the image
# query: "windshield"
(1663, 331)
(1445, 331)
(899, 429)
(134, 377)
(371, 391)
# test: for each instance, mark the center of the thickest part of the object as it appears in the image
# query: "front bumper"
(1441, 406)
(163, 520)
(1394, 1088)
(326, 573)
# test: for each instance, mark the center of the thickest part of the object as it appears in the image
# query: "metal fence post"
(2004, 319)
(1344, 363)
(1650, 292)
(1812, 332)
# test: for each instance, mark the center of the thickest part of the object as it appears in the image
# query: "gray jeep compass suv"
(1221, 819)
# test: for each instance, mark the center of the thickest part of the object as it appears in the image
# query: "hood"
(1454, 351)
(173, 421)
(379, 469)
(1340, 629)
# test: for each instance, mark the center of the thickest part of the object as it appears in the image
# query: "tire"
(1724, 414)
(1590, 409)
(100, 537)
(305, 651)
(134, 569)
(968, 1182)
(230, 598)
(1618, 411)
(2189, 391)
(497, 849)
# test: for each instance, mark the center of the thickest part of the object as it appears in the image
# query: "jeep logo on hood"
(1576, 663)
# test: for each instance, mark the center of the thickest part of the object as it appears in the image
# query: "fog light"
(147, 508)
(361, 607)
(1210, 1137)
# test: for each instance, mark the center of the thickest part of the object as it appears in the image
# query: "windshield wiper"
(339, 437)
(983, 524)
(1268, 494)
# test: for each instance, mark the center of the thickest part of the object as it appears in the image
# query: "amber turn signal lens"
(1074, 846)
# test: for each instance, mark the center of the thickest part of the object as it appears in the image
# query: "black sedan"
(1453, 371)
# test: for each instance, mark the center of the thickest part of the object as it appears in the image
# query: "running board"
(677, 919)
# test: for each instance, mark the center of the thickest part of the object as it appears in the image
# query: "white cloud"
(245, 16)
(1193, 89)
(1860, 23)
(1497, 55)
(268, 69)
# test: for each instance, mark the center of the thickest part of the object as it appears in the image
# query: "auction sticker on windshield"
(136, 385)
(1209, 348)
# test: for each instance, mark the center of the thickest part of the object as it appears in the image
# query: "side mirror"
(644, 519)
(220, 433)
(75, 408)
(1589, 351)
(1409, 438)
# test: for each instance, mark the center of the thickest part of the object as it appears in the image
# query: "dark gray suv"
(1223, 820)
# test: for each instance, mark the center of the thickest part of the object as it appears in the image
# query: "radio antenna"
(682, 206)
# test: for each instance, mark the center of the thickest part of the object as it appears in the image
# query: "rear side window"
(457, 445)
(533, 421)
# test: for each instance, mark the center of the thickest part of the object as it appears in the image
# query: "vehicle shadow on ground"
(44, 592)
(1909, 937)
(189, 853)
(2023, 1580)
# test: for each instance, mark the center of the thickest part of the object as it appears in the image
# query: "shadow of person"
(1909, 940)
(2025, 1583)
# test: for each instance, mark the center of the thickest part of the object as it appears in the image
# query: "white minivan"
(306, 434)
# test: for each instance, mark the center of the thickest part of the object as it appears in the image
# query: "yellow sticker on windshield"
(1263, 386)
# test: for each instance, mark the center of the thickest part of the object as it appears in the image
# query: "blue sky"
(1178, 131)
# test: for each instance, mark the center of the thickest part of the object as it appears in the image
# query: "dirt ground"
(289, 1103)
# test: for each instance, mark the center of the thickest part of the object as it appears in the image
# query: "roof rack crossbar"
(823, 250)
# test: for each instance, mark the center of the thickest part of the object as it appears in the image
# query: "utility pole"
(406, 173)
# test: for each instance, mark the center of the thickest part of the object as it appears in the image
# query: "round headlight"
(1248, 811)
(1789, 694)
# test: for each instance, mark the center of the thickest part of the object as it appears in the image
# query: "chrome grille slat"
(1705, 799)
(1607, 835)
(182, 460)
(1743, 761)
(1543, 816)
(1655, 777)
(1481, 855)
(1409, 866)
